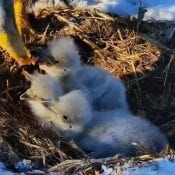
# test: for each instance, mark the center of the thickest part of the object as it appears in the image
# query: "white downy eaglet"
(107, 92)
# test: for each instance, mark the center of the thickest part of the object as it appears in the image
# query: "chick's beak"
(25, 96)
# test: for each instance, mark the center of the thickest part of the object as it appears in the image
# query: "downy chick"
(107, 133)
(120, 135)
(71, 109)
(107, 92)
(74, 111)
(13, 21)
(66, 54)
(43, 89)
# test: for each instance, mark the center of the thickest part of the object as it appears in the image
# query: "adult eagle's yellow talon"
(21, 19)
(13, 25)
(15, 47)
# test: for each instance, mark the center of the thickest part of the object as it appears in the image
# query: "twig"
(71, 24)
(120, 35)
(84, 163)
(32, 145)
(103, 15)
(138, 87)
(154, 42)
(43, 36)
(166, 70)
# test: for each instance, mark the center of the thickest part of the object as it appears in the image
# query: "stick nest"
(143, 57)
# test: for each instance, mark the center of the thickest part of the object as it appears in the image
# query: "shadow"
(151, 95)
(41, 23)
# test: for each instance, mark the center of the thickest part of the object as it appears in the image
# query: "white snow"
(22, 165)
(157, 9)
(108, 171)
(3, 170)
(159, 167)
(162, 166)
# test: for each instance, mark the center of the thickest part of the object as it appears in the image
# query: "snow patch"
(160, 167)
(4, 171)
(158, 9)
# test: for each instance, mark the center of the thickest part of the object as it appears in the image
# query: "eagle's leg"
(21, 19)
(15, 47)
(10, 37)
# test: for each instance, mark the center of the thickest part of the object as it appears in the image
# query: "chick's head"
(75, 112)
(44, 87)
(65, 53)
(55, 71)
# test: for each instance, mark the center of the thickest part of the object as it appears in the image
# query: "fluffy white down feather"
(66, 53)
(75, 111)
(107, 92)
(44, 87)
(69, 114)
(74, 105)
(44, 115)
(107, 135)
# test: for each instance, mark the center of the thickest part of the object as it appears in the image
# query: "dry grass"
(144, 59)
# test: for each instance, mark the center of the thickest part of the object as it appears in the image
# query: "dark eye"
(70, 126)
(34, 95)
(65, 117)
(47, 104)
(65, 70)
(57, 62)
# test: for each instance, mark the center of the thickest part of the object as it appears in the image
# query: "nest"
(142, 56)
